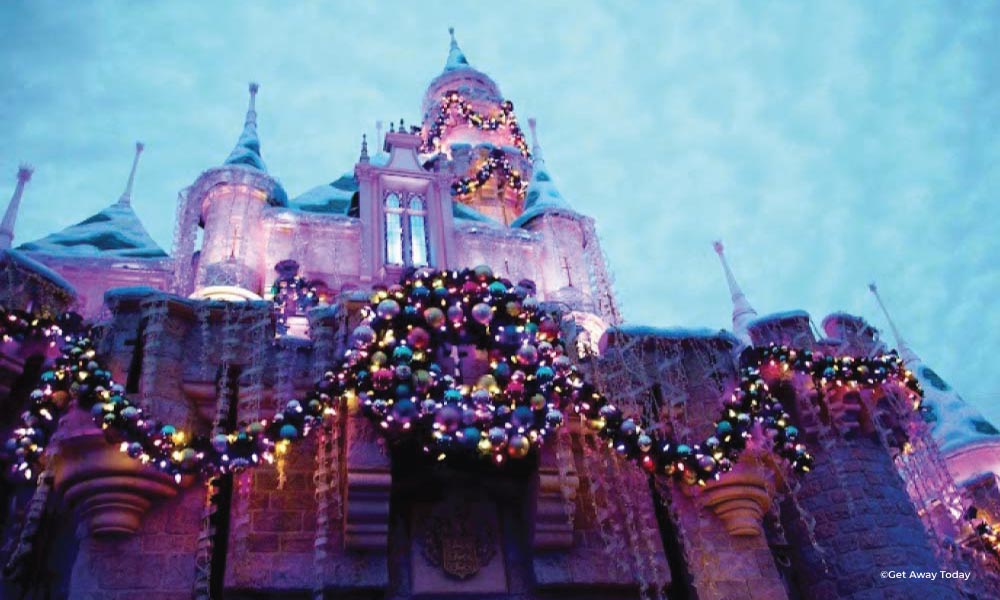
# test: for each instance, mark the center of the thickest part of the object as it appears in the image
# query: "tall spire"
(379, 141)
(247, 150)
(456, 58)
(743, 313)
(126, 197)
(536, 150)
(907, 354)
(10, 217)
(252, 107)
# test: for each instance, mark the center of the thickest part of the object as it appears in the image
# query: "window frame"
(407, 216)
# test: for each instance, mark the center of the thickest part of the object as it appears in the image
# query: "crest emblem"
(459, 539)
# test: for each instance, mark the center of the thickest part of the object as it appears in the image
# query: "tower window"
(406, 230)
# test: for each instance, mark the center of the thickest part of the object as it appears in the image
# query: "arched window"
(418, 231)
(393, 230)
(406, 240)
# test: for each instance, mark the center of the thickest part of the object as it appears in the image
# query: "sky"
(828, 144)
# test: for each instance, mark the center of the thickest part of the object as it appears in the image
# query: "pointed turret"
(10, 217)
(969, 442)
(458, 75)
(115, 231)
(743, 313)
(247, 150)
(456, 58)
(543, 196)
(905, 352)
(126, 197)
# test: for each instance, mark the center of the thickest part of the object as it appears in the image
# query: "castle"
(258, 298)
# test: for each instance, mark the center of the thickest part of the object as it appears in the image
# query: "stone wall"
(865, 524)
(723, 566)
(157, 563)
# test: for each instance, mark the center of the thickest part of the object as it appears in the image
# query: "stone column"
(865, 525)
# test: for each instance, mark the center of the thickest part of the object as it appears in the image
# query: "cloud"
(829, 144)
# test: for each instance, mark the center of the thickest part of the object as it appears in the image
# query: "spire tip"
(254, 86)
(717, 245)
(24, 173)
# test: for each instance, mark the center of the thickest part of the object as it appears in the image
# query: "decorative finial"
(24, 173)
(402, 126)
(126, 197)
(743, 313)
(252, 107)
(905, 352)
(451, 32)
(392, 127)
(364, 148)
(10, 217)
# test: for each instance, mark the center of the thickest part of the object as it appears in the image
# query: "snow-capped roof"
(331, 198)
(247, 150)
(674, 333)
(954, 423)
(27, 263)
(543, 196)
(456, 58)
(464, 211)
(779, 316)
(459, 75)
(113, 232)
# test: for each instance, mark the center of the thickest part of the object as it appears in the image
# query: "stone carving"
(458, 539)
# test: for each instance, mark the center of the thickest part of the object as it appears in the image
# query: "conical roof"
(456, 58)
(954, 423)
(459, 75)
(115, 231)
(543, 196)
(247, 150)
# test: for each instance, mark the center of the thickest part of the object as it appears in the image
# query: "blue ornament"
(470, 437)
(288, 432)
(522, 417)
(402, 354)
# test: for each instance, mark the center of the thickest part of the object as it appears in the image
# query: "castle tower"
(563, 275)
(470, 132)
(743, 313)
(230, 201)
(851, 516)
(968, 442)
(10, 217)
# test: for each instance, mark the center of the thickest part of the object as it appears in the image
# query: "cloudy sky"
(827, 144)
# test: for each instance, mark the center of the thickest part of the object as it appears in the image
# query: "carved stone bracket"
(111, 491)
(742, 496)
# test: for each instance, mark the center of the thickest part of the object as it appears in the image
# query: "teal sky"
(828, 144)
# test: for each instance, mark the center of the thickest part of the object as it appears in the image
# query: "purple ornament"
(482, 313)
